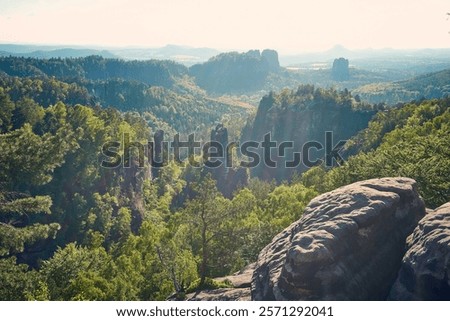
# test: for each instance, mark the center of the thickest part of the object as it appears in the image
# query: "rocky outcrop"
(294, 117)
(228, 178)
(348, 245)
(340, 71)
(425, 270)
(271, 56)
(221, 295)
(240, 291)
(234, 72)
(241, 279)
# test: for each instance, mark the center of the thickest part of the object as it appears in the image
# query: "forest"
(71, 229)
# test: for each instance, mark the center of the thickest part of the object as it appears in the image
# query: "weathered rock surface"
(348, 245)
(425, 270)
(241, 279)
(240, 292)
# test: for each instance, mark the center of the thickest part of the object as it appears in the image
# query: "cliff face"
(302, 116)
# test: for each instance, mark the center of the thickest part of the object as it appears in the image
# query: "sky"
(289, 26)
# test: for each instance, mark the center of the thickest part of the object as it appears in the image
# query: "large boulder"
(348, 245)
(425, 270)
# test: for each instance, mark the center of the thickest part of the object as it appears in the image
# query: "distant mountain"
(182, 54)
(70, 53)
(51, 52)
(20, 48)
(150, 72)
(365, 56)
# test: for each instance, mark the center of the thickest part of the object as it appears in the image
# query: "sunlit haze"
(290, 26)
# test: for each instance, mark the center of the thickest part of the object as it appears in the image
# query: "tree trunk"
(204, 257)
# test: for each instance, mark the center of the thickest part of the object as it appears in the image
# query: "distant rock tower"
(220, 135)
(158, 153)
(228, 178)
(271, 56)
(340, 71)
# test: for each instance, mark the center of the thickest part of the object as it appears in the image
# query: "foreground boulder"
(425, 270)
(348, 245)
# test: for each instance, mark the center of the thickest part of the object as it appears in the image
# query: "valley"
(72, 229)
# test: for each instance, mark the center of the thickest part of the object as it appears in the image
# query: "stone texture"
(348, 245)
(241, 279)
(425, 270)
(240, 294)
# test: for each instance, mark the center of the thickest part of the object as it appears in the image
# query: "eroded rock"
(348, 245)
(239, 294)
(425, 270)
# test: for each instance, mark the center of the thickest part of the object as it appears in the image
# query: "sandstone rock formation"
(242, 279)
(236, 72)
(340, 71)
(425, 270)
(348, 245)
(293, 117)
(271, 56)
(240, 291)
(221, 295)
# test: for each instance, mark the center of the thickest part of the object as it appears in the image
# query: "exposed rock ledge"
(348, 245)
(240, 291)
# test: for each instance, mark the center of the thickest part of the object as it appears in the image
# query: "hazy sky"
(290, 26)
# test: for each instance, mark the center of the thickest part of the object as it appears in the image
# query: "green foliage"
(17, 229)
(86, 232)
(29, 159)
(6, 111)
(152, 72)
(428, 86)
(411, 141)
(314, 179)
(17, 282)
(205, 214)
(285, 205)
(232, 71)
(74, 273)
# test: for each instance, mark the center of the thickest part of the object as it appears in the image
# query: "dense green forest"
(71, 229)
(428, 86)
(169, 100)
